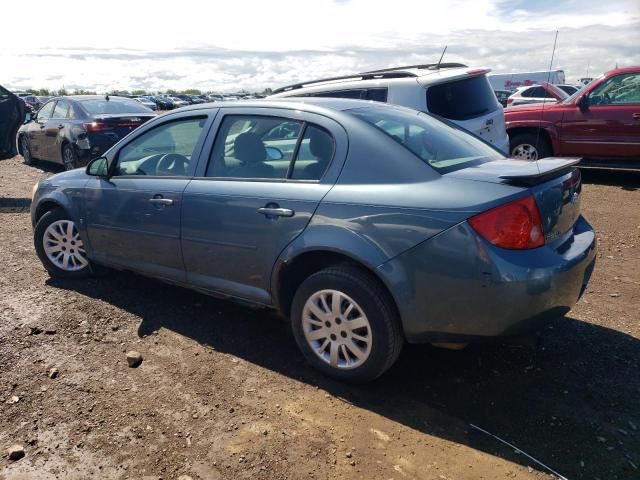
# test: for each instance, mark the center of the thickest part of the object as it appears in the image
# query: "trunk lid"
(120, 124)
(555, 184)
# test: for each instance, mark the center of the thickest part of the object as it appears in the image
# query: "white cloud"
(253, 44)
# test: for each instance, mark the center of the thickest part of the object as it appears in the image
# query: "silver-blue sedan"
(368, 225)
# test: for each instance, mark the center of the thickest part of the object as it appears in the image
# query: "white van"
(449, 90)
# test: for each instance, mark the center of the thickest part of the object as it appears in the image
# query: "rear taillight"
(514, 225)
(509, 101)
(96, 127)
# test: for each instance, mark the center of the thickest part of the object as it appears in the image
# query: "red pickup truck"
(601, 121)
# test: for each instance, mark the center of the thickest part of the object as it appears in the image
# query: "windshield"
(102, 106)
(444, 147)
(573, 97)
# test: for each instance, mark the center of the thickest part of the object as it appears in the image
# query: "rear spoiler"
(541, 171)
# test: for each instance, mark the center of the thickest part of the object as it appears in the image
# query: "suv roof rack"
(390, 73)
(427, 66)
(394, 72)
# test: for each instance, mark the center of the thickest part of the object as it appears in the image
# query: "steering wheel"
(172, 164)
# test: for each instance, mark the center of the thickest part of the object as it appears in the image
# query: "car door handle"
(276, 212)
(636, 116)
(61, 126)
(161, 201)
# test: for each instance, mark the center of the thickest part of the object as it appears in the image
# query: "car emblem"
(489, 122)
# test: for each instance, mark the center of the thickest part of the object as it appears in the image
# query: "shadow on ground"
(573, 400)
(626, 180)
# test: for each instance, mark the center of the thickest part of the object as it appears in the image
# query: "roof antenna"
(106, 97)
(553, 52)
(441, 57)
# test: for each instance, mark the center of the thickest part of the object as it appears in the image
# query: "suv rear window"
(462, 99)
(442, 146)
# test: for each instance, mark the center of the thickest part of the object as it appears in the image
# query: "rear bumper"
(458, 287)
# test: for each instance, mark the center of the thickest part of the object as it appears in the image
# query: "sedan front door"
(255, 195)
(133, 218)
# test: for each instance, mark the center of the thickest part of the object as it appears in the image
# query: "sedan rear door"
(256, 194)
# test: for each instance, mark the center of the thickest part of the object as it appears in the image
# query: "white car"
(449, 90)
(542, 93)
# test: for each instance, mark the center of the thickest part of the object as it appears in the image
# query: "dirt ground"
(222, 392)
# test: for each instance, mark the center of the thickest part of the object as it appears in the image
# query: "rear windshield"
(101, 105)
(462, 99)
(445, 148)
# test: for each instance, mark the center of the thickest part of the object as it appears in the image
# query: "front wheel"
(346, 324)
(59, 246)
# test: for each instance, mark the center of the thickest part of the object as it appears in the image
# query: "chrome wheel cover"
(525, 151)
(337, 329)
(63, 247)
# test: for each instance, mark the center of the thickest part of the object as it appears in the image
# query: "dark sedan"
(72, 130)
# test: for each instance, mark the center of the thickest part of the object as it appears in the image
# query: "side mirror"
(28, 117)
(98, 167)
(583, 103)
(274, 153)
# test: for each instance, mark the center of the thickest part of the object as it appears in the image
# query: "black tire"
(39, 238)
(376, 304)
(27, 156)
(69, 157)
(538, 142)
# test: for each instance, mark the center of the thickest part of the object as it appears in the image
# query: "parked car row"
(310, 232)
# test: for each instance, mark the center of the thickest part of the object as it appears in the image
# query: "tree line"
(45, 92)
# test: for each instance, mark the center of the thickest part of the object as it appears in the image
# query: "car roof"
(311, 104)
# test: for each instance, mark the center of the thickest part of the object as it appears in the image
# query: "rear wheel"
(26, 150)
(346, 324)
(69, 157)
(529, 146)
(59, 246)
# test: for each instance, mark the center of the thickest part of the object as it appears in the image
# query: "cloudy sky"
(253, 44)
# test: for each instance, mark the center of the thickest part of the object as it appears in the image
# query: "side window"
(62, 109)
(357, 93)
(252, 146)
(45, 112)
(377, 94)
(619, 90)
(314, 155)
(263, 147)
(164, 150)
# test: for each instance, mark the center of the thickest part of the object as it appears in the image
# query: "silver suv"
(449, 90)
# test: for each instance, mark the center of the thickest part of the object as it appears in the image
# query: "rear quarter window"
(462, 99)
